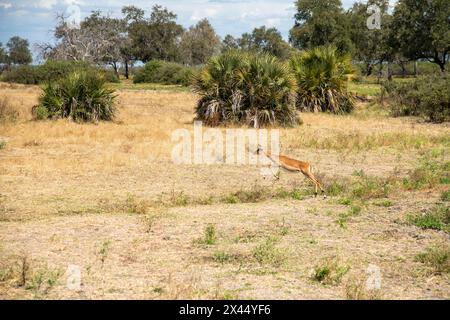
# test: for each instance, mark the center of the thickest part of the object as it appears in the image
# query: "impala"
(293, 165)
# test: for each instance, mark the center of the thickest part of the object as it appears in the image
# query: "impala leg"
(316, 182)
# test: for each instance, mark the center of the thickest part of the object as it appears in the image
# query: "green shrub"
(81, 96)
(158, 71)
(322, 75)
(329, 272)
(437, 218)
(445, 196)
(255, 89)
(22, 74)
(426, 97)
(52, 71)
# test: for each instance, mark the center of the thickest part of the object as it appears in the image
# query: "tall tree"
(421, 30)
(3, 56)
(229, 43)
(19, 51)
(113, 33)
(369, 45)
(318, 23)
(95, 41)
(199, 43)
(157, 37)
(265, 40)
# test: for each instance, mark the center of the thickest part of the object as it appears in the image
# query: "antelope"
(293, 165)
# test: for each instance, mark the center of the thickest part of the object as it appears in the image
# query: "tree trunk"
(369, 68)
(116, 70)
(415, 68)
(127, 75)
(389, 72)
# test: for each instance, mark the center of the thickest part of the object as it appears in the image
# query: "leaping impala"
(293, 165)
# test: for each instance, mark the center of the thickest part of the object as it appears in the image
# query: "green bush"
(52, 71)
(322, 75)
(81, 96)
(22, 74)
(426, 97)
(158, 71)
(255, 89)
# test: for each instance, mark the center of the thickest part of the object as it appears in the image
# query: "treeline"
(412, 31)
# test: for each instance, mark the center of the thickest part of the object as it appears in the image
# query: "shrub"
(322, 75)
(158, 71)
(81, 96)
(52, 71)
(329, 272)
(438, 218)
(22, 74)
(426, 97)
(255, 89)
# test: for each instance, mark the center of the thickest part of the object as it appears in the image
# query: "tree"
(114, 36)
(157, 37)
(18, 51)
(229, 43)
(319, 23)
(96, 40)
(3, 56)
(265, 40)
(199, 43)
(421, 30)
(370, 46)
(262, 39)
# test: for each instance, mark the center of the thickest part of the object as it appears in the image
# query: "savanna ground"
(106, 197)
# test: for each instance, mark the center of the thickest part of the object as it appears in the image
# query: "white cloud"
(210, 12)
(5, 5)
(45, 4)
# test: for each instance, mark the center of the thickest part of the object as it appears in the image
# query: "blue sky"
(35, 19)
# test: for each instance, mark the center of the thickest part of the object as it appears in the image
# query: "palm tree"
(255, 89)
(322, 75)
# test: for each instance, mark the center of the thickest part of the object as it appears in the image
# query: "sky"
(34, 19)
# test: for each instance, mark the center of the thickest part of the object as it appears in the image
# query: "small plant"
(437, 257)
(267, 254)
(210, 236)
(345, 201)
(427, 175)
(335, 189)
(222, 257)
(384, 203)
(445, 196)
(42, 280)
(370, 187)
(132, 205)
(2, 145)
(437, 218)
(343, 217)
(104, 250)
(329, 272)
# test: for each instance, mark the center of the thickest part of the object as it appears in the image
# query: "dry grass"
(107, 198)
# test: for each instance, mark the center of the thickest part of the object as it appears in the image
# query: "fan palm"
(240, 87)
(322, 75)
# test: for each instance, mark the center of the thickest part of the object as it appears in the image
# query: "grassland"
(107, 198)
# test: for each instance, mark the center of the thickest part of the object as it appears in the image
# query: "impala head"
(259, 150)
